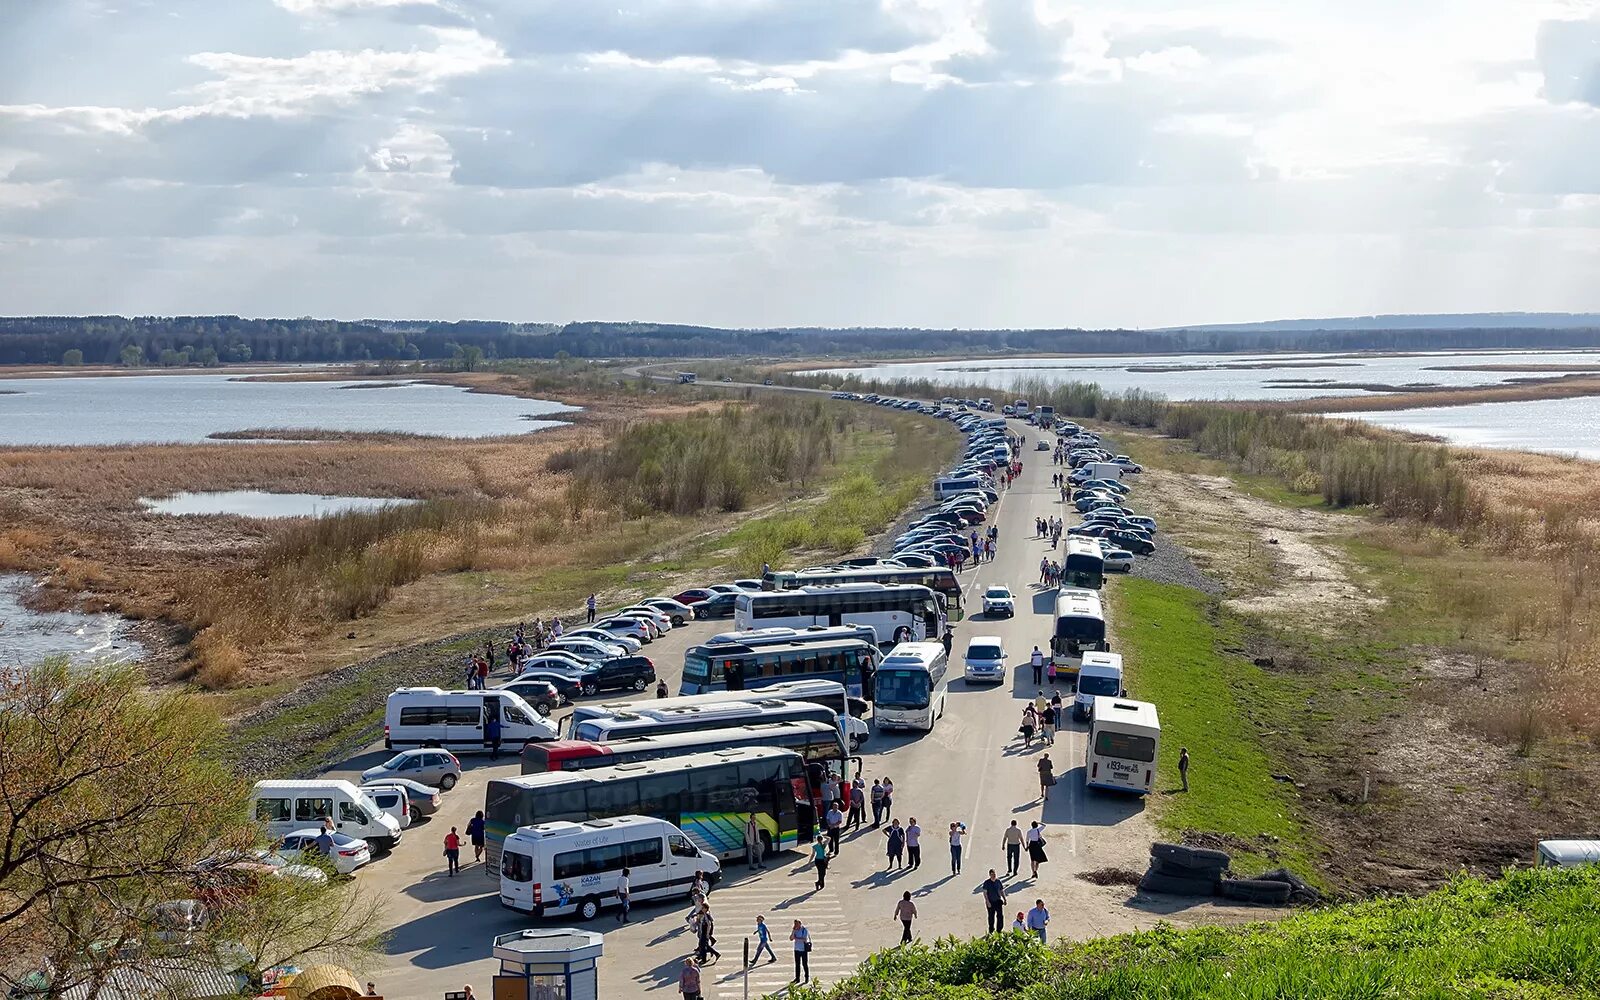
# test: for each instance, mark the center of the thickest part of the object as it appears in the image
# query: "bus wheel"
(588, 908)
(766, 845)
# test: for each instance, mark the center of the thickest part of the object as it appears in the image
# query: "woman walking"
(905, 911)
(475, 834)
(1036, 855)
(819, 854)
(1047, 777)
(1047, 723)
(707, 929)
(802, 951)
(1029, 719)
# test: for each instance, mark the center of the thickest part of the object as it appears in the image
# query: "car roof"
(985, 640)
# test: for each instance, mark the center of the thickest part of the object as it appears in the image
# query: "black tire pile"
(1176, 870)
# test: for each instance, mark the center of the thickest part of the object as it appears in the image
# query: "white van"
(563, 867)
(1567, 853)
(432, 717)
(1098, 674)
(945, 486)
(286, 806)
(986, 659)
(1124, 741)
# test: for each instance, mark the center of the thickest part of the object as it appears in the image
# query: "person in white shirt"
(622, 897)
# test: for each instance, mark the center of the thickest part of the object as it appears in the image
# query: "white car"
(349, 853)
(627, 642)
(587, 650)
(636, 627)
(1118, 561)
(676, 611)
(997, 600)
(986, 659)
(657, 617)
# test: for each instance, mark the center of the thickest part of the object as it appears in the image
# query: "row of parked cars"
(1100, 495)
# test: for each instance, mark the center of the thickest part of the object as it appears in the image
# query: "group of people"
(1043, 717)
(1051, 528)
(528, 640)
(983, 546)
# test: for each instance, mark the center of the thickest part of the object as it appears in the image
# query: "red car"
(694, 595)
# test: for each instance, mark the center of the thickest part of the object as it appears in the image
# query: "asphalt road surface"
(971, 768)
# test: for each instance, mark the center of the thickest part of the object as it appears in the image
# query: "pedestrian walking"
(752, 844)
(706, 928)
(623, 889)
(802, 950)
(452, 851)
(475, 834)
(905, 911)
(994, 898)
(483, 673)
(819, 855)
(877, 803)
(698, 892)
(1038, 917)
(661, 689)
(835, 820)
(896, 837)
(914, 844)
(1047, 776)
(689, 980)
(1047, 723)
(1030, 719)
(949, 640)
(491, 736)
(888, 797)
(1050, 672)
(958, 833)
(1037, 657)
(1012, 841)
(1036, 855)
(1183, 766)
(763, 941)
(858, 803)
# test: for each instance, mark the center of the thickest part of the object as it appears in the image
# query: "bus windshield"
(1125, 746)
(1083, 629)
(1099, 685)
(902, 689)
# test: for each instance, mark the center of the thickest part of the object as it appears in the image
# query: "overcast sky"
(772, 162)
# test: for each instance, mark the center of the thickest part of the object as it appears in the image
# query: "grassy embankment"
(1468, 692)
(1531, 935)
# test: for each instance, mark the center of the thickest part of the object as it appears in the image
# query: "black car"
(544, 696)
(720, 606)
(1137, 544)
(568, 685)
(633, 673)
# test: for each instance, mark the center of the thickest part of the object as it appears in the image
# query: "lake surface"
(149, 409)
(1562, 426)
(30, 636)
(1233, 376)
(257, 503)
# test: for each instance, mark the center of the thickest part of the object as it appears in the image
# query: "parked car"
(349, 853)
(556, 659)
(429, 765)
(694, 595)
(639, 628)
(424, 798)
(998, 600)
(628, 643)
(568, 683)
(542, 695)
(1132, 541)
(588, 650)
(1118, 561)
(634, 673)
(749, 586)
(393, 801)
(677, 611)
(660, 619)
(915, 560)
(720, 606)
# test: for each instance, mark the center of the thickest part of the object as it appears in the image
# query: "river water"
(30, 636)
(151, 409)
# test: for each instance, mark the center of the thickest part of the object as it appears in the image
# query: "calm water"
(30, 636)
(1234, 376)
(143, 409)
(1563, 426)
(256, 503)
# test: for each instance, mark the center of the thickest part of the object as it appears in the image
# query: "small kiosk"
(559, 963)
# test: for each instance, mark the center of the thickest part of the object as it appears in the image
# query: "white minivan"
(1098, 674)
(563, 867)
(986, 659)
(456, 720)
(286, 806)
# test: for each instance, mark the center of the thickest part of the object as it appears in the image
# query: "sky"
(943, 163)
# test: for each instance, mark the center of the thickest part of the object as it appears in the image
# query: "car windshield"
(396, 761)
(983, 652)
(998, 592)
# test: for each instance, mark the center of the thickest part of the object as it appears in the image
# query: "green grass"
(1532, 935)
(1216, 704)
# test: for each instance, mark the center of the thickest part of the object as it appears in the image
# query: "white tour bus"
(911, 688)
(1080, 625)
(455, 720)
(644, 719)
(1124, 738)
(284, 807)
(896, 612)
(562, 867)
(830, 694)
(1100, 674)
(813, 633)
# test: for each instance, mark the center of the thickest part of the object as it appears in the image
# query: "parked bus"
(1080, 624)
(814, 633)
(1124, 738)
(646, 720)
(912, 686)
(1085, 564)
(940, 579)
(829, 694)
(813, 741)
(896, 612)
(733, 667)
(709, 796)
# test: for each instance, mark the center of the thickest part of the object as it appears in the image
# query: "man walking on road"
(1183, 766)
(835, 827)
(1038, 917)
(1037, 661)
(994, 897)
(905, 911)
(1013, 844)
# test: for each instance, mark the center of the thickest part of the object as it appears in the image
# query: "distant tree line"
(217, 340)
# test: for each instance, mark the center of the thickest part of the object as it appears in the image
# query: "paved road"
(970, 769)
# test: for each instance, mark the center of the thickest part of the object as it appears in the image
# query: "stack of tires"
(1184, 871)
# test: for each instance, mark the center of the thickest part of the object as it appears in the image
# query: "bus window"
(664, 795)
(733, 675)
(716, 790)
(561, 802)
(618, 798)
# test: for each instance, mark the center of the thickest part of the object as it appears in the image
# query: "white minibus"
(1124, 738)
(911, 687)
(1567, 853)
(563, 867)
(284, 807)
(456, 720)
(1099, 674)
(945, 486)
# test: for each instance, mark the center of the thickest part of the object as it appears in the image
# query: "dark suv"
(720, 606)
(635, 673)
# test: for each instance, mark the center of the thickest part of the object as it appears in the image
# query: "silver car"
(429, 765)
